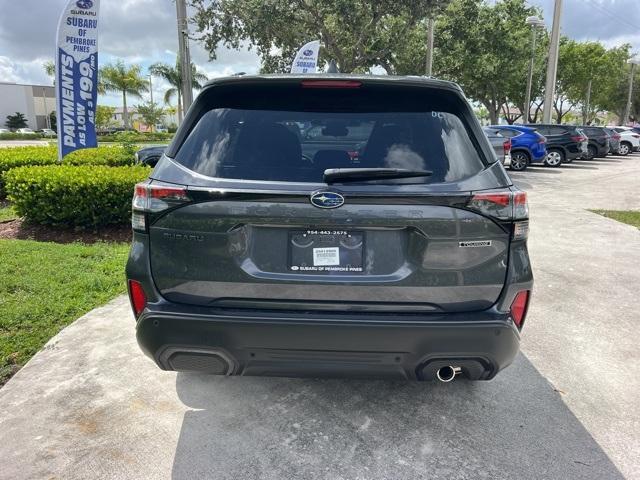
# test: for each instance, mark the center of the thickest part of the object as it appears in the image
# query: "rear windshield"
(298, 146)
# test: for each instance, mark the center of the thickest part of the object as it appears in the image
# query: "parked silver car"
(501, 145)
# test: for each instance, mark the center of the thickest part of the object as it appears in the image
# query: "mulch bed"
(21, 230)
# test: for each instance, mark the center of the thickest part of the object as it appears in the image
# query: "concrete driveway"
(90, 405)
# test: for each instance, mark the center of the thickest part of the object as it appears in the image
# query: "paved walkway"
(23, 143)
(90, 405)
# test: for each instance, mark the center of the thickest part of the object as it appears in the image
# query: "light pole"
(552, 65)
(430, 27)
(47, 120)
(627, 111)
(184, 55)
(535, 23)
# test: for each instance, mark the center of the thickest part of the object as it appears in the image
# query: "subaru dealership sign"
(77, 76)
(306, 60)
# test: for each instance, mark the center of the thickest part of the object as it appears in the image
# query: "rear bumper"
(318, 345)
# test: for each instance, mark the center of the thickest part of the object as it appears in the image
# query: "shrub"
(73, 196)
(136, 137)
(33, 156)
(20, 136)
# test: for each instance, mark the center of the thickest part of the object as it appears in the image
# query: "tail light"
(507, 146)
(542, 139)
(578, 138)
(519, 307)
(137, 297)
(505, 206)
(154, 198)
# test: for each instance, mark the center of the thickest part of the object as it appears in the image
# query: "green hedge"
(32, 156)
(73, 196)
(21, 136)
(136, 137)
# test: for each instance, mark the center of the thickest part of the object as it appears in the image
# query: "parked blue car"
(527, 146)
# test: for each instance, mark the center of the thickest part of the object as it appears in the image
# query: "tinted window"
(298, 146)
(509, 133)
(557, 131)
(594, 132)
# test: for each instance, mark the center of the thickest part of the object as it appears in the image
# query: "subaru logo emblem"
(327, 200)
(307, 53)
(84, 4)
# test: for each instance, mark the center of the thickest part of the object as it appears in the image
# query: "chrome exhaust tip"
(448, 373)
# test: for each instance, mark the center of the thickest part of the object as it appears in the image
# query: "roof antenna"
(333, 68)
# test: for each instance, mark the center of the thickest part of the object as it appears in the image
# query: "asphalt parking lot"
(90, 405)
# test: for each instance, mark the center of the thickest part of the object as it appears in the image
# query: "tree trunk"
(493, 113)
(125, 113)
(534, 119)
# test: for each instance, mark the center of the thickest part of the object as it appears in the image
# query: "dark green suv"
(394, 247)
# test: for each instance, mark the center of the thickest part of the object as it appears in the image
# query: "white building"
(35, 102)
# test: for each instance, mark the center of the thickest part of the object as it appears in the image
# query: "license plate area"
(326, 251)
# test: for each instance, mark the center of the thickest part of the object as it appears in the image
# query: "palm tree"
(173, 75)
(49, 68)
(127, 80)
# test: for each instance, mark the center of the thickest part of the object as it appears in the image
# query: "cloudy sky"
(144, 32)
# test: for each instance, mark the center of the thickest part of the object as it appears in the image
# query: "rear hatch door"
(262, 229)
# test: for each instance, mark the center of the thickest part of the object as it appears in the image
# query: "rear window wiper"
(333, 175)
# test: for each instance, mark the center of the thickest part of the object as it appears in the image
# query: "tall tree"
(151, 114)
(611, 83)
(49, 68)
(173, 75)
(357, 34)
(485, 48)
(117, 77)
(104, 116)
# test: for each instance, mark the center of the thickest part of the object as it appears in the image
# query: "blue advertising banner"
(77, 76)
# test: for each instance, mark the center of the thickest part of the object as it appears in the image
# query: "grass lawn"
(45, 286)
(631, 217)
(6, 212)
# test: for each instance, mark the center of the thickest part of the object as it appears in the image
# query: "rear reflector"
(331, 84)
(137, 297)
(519, 307)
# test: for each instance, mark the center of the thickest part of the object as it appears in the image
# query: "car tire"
(592, 151)
(624, 149)
(519, 161)
(554, 158)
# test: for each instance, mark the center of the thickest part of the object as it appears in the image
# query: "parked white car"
(47, 132)
(629, 140)
(26, 131)
(4, 130)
